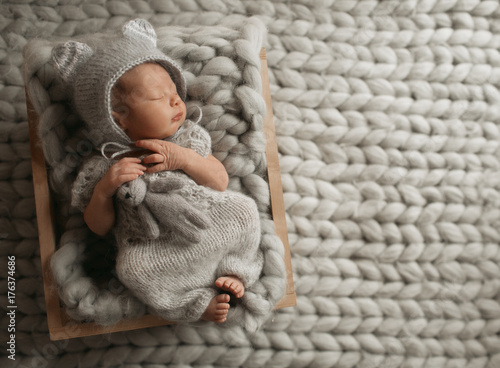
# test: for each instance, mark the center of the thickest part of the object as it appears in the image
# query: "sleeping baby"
(186, 245)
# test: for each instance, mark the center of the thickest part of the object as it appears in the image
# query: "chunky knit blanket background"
(387, 116)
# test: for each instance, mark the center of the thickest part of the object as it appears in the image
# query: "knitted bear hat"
(93, 71)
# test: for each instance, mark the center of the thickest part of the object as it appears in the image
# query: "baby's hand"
(167, 156)
(125, 170)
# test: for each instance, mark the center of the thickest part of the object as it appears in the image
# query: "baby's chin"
(172, 132)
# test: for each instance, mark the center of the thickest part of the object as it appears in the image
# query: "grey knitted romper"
(171, 275)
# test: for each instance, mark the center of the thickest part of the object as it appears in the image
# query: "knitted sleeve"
(91, 171)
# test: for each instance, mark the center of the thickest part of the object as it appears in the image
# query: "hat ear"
(140, 29)
(69, 56)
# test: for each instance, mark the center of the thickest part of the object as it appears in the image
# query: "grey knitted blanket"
(387, 117)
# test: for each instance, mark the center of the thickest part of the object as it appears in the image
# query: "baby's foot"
(217, 309)
(231, 284)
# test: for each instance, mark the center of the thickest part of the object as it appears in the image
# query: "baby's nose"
(175, 100)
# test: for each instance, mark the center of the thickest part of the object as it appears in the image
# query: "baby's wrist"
(182, 158)
(103, 191)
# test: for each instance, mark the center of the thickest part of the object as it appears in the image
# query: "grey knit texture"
(387, 124)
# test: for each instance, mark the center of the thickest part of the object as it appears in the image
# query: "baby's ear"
(119, 116)
(69, 56)
(140, 29)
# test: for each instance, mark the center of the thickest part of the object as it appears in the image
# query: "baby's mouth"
(177, 117)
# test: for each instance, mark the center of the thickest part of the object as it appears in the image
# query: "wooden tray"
(60, 325)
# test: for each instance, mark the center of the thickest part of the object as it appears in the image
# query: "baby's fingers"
(125, 178)
(155, 145)
(160, 162)
(129, 163)
(118, 175)
(127, 173)
(157, 162)
(130, 160)
(156, 158)
(167, 156)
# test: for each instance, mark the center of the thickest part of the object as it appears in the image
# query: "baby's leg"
(231, 284)
(217, 309)
(243, 259)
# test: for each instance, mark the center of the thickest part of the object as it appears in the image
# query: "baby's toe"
(223, 299)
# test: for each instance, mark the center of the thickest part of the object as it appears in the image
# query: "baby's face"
(152, 108)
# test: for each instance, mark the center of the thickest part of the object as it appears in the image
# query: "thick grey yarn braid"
(314, 46)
